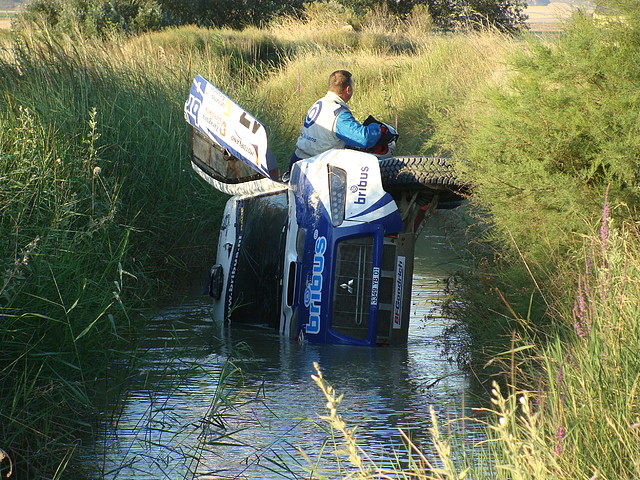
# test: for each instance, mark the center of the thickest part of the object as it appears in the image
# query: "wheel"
(418, 172)
(427, 175)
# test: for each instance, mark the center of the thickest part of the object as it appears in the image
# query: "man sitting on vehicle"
(330, 124)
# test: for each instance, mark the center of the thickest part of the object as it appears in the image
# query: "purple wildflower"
(560, 434)
(604, 225)
(580, 311)
(579, 330)
(604, 241)
(560, 383)
(560, 376)
(581, 303)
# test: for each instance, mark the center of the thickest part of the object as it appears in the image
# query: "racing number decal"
(200, 85)
(194, 102)
(193, 107)
(246, 122)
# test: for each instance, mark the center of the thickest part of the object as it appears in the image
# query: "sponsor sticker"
(313, 292)
(397, 301)
(234, 264)
(375, 283)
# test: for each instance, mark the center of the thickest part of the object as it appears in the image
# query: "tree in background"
(97, 17)
(505, 15)
(227, 13)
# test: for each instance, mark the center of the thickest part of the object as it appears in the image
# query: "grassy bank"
(100, 210)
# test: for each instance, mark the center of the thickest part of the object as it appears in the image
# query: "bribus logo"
(361, 188)
(313, 293)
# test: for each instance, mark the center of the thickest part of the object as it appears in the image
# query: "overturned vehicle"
(326, 257)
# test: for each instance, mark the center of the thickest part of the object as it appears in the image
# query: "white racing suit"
(330, 124)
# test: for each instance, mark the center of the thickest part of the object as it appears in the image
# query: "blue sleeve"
(353, 133)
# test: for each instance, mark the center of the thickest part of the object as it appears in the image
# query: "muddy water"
(179, 420)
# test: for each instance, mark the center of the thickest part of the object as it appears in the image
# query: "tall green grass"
(577, 414)
(98, 206)
(589, 408)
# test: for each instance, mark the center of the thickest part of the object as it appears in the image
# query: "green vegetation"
(97, 208)
(104, 17)
(100, 206)
(544, 149)
(101, 210)
(572, 107)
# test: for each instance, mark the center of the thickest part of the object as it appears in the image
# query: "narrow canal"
(189, 414)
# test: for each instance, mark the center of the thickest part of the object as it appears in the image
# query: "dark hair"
(339, 80)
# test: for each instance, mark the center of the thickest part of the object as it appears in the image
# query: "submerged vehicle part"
(250, 255)
(326, 257)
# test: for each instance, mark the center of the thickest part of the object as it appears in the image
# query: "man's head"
(341, 83)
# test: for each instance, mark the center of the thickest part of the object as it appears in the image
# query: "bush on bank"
(553, 158)
(542, 147)
(562, 131)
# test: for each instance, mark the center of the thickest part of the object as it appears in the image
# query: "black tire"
(417, 172)
(429, 175)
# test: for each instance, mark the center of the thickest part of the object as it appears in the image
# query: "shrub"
(543, 152)
(97, 17)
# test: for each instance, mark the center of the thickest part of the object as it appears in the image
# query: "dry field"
(5, 20)
(549, 17)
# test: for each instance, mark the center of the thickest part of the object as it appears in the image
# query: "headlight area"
(337, 194)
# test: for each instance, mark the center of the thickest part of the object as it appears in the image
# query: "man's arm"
(353, 133)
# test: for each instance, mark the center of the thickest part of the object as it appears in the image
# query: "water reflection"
(177, 422)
